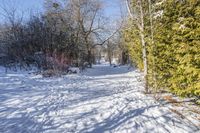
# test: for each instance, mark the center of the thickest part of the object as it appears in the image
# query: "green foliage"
(178, 44)
(174, 57)
(133, 44)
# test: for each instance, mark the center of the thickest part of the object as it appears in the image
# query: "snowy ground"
(102, 99)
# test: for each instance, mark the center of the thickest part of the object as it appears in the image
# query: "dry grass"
(170, 99)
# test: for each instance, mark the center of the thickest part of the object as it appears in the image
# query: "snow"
(100, 99)
(74, 69)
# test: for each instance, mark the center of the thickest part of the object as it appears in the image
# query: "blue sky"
(112, 7)
(25, 6)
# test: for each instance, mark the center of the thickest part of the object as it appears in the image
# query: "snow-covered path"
(102, 99)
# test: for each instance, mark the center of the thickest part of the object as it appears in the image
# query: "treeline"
(171, 42)
(65, 34)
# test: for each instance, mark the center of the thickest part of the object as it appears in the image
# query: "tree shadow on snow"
(107, 70)
(17, 119)
(119, 121)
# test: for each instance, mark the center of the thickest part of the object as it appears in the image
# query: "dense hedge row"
(174, 57)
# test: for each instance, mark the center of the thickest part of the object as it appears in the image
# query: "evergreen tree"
(172, 37)
(178, 56)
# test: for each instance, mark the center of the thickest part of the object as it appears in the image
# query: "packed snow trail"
(102, 99)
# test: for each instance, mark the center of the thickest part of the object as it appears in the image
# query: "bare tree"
(152, 43)
(88, 16)
(67, 32)
(137, 15)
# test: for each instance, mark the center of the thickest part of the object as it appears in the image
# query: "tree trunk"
(110, 60)
(124, 57)
(144, 47)
(89, 58)
(153, 46)
(144, 53)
